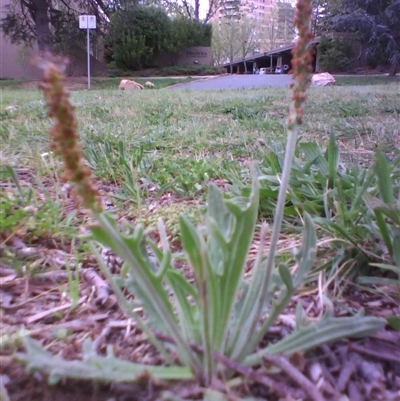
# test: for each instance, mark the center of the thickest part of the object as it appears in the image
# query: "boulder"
(323, 79)
(149, 84)
(127, 84)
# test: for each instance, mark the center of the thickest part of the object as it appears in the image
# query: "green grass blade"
(384, 230)
(332, 155)
(384, 181)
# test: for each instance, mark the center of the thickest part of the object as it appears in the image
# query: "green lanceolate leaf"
(313, 154)
(14, 176)
(94, 367)
(305, 259)
(332, 155)
(391, 212)
(384, 266)
(384, 181)
(143, 279)
(195, 248)
(191, 243)
(218, 211)
(188, 312)
(286, 277)
(326, 330)
(384, 230)
(333, 227)
(396, 251)
(394, 322)
(238, 243)
(307, 252)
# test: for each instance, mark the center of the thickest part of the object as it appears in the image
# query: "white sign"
(87, 22)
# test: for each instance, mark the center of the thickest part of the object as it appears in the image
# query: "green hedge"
(187, 70)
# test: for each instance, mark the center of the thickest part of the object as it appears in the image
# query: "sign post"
(87, 22)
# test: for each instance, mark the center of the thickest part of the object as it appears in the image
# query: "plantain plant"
(207, 327)
(384, 208)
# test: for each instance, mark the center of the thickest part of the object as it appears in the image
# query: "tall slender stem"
(301, 66)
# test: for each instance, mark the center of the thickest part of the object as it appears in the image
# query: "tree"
(183, 32)
(375, 23)
(36, 21)
(200, 10)
(227, 33)
(319, 14)
(286, 31)
(247, 37)
(335, 54)
(233, 34)
(218, 51)
(138, 33)
(278, 28)
(67, 38)
(268, 31)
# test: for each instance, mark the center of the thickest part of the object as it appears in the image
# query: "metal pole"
(88, 54)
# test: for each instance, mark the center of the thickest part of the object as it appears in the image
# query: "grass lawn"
(153, 154)
(79, 83)
(365, 80)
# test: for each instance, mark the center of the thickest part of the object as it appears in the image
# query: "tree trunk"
(393, 70)
(197, 10)
(245, 66)
(42, 24)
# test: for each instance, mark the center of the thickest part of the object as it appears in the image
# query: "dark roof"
(274, 52)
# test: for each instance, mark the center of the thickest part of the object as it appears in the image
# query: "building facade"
(258, 10)
(16, 60)
(272, 20)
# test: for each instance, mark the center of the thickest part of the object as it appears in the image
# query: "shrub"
(138, 34)
(188, 70)
(141, 32)
(336, 55)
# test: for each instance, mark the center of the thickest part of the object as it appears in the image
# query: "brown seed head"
(64, 133)
(302, 58)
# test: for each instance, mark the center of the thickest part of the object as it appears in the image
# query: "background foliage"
(335, 54)
(139, 33)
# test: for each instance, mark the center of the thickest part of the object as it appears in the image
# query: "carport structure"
(278, 57)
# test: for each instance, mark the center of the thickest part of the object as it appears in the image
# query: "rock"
(324, 79)
(127, 84)
(12, 108)
(149, 84)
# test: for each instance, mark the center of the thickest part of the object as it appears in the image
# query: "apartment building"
(273, 19)
(258, 10)
(262, 10)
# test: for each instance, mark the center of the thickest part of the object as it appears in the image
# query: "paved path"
(236, 82)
